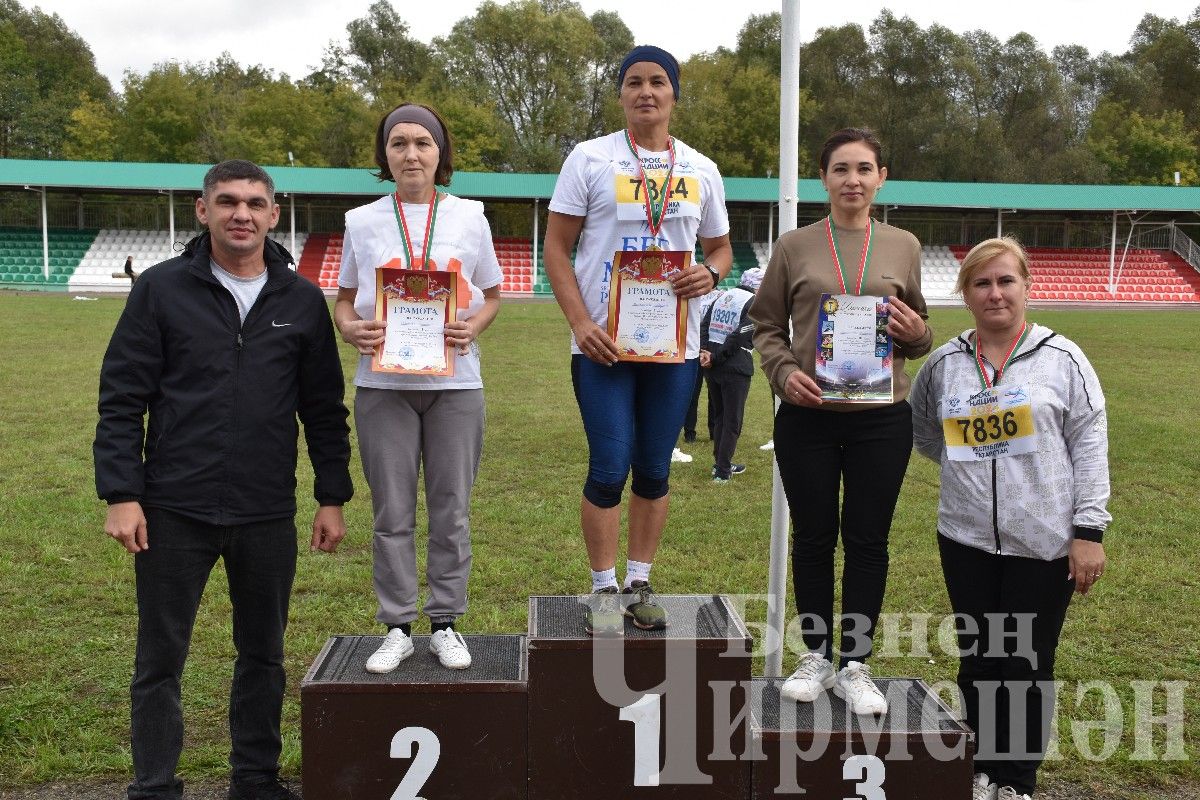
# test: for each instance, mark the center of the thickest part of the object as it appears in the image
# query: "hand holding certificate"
(416, 305)
(854, 350)
(646, 319)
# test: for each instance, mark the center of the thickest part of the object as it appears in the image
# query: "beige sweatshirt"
(802, 268)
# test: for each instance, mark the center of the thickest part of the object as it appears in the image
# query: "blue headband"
(655, 55)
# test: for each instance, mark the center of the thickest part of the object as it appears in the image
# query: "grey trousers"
(398, 431)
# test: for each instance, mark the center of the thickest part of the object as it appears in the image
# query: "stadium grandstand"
(69, 226)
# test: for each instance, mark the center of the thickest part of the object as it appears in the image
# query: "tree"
(834, 69)
(1140, 149)
(92, 132)
(730, 104)
(380, 58)
(540, 63)
(44, 69)
(759, 41)
(163, 113)
(730, 113)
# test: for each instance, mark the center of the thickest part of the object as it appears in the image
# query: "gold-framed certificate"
(854, 350)
(646, 319)
(416, 305)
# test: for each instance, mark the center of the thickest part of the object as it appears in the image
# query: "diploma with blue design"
(646, 319)
(854, 350)
(416, 304)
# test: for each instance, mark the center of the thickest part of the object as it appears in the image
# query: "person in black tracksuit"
(225, 347)
(727, 349)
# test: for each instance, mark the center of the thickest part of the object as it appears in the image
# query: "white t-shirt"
(244, 290)
(460, 234)
(599, 181)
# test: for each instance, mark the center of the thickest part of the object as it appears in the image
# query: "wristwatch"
(716, 276)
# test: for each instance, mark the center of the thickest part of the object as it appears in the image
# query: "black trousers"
(727, 394)
(689, 420)
(260, 561)
(863, 454)
(1011, 615)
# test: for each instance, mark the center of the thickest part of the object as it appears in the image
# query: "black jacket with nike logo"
(224, 396)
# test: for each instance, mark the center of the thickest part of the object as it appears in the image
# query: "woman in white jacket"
(1014, 414)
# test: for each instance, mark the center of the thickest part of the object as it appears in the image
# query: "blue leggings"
(632, 412)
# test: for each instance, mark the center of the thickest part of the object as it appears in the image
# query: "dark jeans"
(260, 561)
(1002, 675)
(864, 454)
(727, 398)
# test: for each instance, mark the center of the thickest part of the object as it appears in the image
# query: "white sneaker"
(811, 678)
(395, 648)
(680, 456)
(854, 684)
(982, 788)
(1009, 793)
(450, 649)
(768, 446)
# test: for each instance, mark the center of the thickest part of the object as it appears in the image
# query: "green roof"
(118, 177)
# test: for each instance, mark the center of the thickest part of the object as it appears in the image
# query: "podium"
(649, 714)
(419, 731)
(557, 713)
(917, 751)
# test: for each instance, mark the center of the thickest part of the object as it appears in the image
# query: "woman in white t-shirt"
(633, 190)
(404, 421)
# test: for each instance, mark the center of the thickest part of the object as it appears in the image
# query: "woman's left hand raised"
(692, 282)
(904, 325)
(460, 334)
(1085, 562)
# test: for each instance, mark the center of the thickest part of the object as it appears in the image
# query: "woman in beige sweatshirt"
(825, 446)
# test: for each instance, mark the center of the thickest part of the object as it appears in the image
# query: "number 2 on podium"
(429, 749)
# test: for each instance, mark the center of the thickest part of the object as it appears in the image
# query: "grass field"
(66, 590)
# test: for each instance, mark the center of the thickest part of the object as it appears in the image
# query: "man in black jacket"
(726, 351)
(225, 346)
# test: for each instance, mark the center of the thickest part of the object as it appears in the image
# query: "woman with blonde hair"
(1014, 414)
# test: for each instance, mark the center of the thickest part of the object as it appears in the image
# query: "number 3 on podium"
(871, 771)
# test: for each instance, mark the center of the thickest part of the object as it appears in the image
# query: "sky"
(289, 36)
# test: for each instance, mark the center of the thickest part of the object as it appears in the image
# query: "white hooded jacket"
(1032, 504)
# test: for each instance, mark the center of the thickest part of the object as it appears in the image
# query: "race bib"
(726, 315)
(995, 423)
(631, 204)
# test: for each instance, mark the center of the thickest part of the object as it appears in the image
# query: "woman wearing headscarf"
(636, 189)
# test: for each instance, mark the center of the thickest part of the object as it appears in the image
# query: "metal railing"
(1188, 250)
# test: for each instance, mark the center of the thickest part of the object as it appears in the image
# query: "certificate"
(646, 319)
(416, 305)
(854, 350)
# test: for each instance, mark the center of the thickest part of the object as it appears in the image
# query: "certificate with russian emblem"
(646, 319)
(416, 304)
(854, 350)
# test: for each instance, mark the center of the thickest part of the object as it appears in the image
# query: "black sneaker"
(643, 607)
(272, 789)
(734, 469)
(689, 436)
(604, 612)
